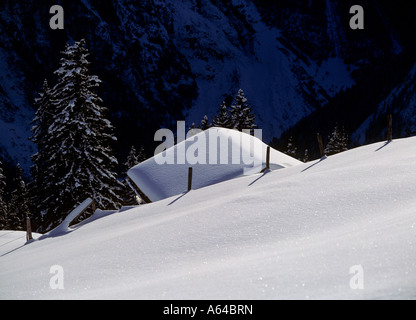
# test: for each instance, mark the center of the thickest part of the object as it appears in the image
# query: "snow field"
(293, 233)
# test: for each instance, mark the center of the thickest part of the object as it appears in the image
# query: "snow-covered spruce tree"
(132, 158)
(223, 118)
(306, 156)
(3, 207)
(130, 196)
(337, 142)
(291, 149)
(19, 202)
(77, 147)
(135, 157)
(205, 125)
(141, 155)
(39, 171)
(242, 116)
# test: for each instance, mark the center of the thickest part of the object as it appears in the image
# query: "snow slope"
(288, 234)
(13, 240)
(159, 181)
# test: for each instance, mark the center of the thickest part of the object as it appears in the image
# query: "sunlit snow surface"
(292, 233)
(165, 175)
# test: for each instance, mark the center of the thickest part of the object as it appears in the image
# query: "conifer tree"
(205, 125)
(3, 207)
(43, 116)
(134, 158)
(141, 156)
(40, 136)
(19, 202)
(337, 142)
(306, 156)
(242, 116)
(291, 149)
(223, 118)
(76, 149)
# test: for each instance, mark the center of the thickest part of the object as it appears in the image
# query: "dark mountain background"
(301, 66)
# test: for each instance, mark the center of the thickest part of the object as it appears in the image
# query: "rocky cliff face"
(168, 60)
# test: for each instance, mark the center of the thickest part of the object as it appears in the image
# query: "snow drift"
(293, 233)
(216, 155)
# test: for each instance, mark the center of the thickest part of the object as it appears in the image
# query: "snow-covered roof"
(216, 155)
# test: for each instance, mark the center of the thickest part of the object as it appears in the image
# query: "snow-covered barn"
(216, 155)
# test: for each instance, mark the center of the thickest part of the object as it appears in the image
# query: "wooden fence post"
(390, 128)
(321, 145)
(28, 229)
(268, 158)
(189, 178)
